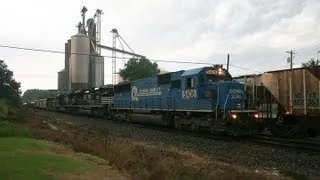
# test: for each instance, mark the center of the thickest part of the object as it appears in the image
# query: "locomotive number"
(188, 94)
(235, 94)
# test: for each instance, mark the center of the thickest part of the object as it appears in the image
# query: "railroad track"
(298, 144)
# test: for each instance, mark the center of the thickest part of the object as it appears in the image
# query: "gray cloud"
(255, 32)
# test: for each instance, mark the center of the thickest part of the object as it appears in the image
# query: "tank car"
(202, 98)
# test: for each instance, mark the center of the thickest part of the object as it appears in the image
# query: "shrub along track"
(242, 154)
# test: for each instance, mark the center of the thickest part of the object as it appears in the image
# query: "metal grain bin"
(97, 71)
(79, 62)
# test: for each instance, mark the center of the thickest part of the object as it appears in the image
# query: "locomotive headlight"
(234, 116)
(256, 115)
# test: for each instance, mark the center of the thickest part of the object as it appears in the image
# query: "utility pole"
(228, 60)
(291, 58)
(290, 80)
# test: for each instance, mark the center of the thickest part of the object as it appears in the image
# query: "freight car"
(288, 100)
(45, 103)
(96, 100)
(201, 98)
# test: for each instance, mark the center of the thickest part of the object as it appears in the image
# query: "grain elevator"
(84, 65)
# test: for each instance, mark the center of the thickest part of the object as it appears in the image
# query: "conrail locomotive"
(203, 98)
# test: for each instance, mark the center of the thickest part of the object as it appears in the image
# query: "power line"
(50, 51)
(110, 57)
(239, 67)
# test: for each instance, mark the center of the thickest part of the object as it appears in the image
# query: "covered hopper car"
(288, 100)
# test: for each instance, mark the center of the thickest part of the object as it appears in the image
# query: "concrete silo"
(79, 62)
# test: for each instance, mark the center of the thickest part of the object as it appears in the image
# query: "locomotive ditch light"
(256, 115)
(234, 116)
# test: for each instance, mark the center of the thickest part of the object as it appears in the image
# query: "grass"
(24, 158)
(8, 129)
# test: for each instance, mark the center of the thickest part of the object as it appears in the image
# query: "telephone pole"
(290, 80)
(291, 58)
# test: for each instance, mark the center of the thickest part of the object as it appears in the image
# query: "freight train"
(203, 98)
(287, 100)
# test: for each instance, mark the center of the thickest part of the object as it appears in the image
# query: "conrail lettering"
(150, 92)
(235, 91)
(235, 94)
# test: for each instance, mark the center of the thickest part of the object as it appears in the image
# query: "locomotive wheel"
(194, 126)
(93, 112)
(280, 130)
(127, 117)
(177, 124)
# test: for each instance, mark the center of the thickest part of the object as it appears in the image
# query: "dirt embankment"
(137, 159)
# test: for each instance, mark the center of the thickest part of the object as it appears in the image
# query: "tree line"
(9, 92)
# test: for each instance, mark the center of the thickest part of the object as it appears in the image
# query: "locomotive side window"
(190, 82)
(164, 78)
(201, 79)
(176, 84)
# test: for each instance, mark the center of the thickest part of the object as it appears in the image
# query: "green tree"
(3, 110)
(9, 87)
(311, 63)
(138, 68)
(34, 94)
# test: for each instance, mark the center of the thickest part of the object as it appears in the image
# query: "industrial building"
(84, 65)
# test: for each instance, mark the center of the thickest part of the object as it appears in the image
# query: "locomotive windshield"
(219, 74)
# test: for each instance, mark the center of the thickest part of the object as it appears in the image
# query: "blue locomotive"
(201, 98)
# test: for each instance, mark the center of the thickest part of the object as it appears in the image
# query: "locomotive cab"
(212, 90)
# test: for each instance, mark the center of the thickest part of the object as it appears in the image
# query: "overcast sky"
(255, 32)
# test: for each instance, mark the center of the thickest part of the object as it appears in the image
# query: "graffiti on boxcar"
(298, 99)
(312, 99)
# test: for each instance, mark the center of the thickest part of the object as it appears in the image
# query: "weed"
(7, 129)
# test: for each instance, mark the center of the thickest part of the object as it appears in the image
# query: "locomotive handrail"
(218, 101)
(225, 104)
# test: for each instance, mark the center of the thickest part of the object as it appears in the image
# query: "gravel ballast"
(258, 157)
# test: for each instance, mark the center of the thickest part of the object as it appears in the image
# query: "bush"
(8, 129)
(9, 110)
